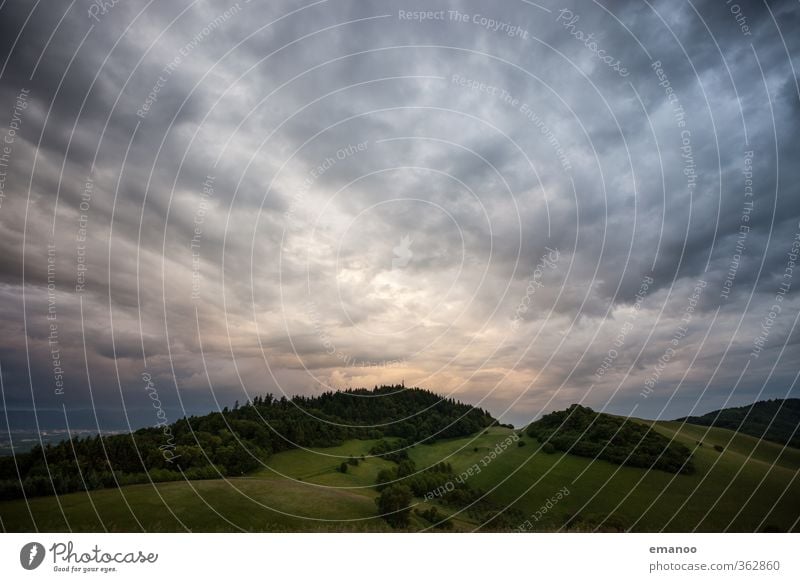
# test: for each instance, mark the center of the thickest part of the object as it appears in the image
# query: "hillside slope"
(582, 431)
(750, 486)
(236, 441)
(773, 420)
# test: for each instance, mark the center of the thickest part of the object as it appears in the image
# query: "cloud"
(242, 176)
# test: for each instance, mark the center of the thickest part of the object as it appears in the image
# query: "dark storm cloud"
(409, 256)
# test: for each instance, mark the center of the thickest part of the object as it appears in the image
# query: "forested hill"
(412, 413)
(581, 431)
(238, 440)
(773, 420)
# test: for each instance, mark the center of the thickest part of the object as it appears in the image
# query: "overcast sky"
(519, 204)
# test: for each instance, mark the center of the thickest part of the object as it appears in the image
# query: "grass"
(321, 466)
(728, 492)
(751, 485)
(261, 501)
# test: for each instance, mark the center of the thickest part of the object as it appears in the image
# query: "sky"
(520, 205)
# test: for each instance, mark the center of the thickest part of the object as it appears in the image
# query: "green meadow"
(749, 485)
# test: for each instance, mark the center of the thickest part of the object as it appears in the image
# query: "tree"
(343, 468)
(406, 467)
(385, 476)
(394, 505)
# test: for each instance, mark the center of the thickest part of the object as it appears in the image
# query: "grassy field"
(262, 501)
(749, 486)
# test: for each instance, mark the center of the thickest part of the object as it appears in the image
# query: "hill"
(486, 477)
(749, 486)
(582, 431)
(774, 420)
(236, 441)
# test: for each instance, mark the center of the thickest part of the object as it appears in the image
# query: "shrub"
(430, 515)
(521, 443)
(406, 467)
(343, 468)
(548, 448)
(393, 505)
(385, 476)
(719, 448)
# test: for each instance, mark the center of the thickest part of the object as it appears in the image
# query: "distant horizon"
(122, 428)
(531, 207)
(562, 243)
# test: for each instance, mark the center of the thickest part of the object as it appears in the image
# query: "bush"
(385, 476)
(719, 448)
(389, 452)
(394, 505)
(521, 443)
(430, 515)
(406, 467)
(343, 468)
(548, 448)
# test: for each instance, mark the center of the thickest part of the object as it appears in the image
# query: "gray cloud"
(320, 263)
